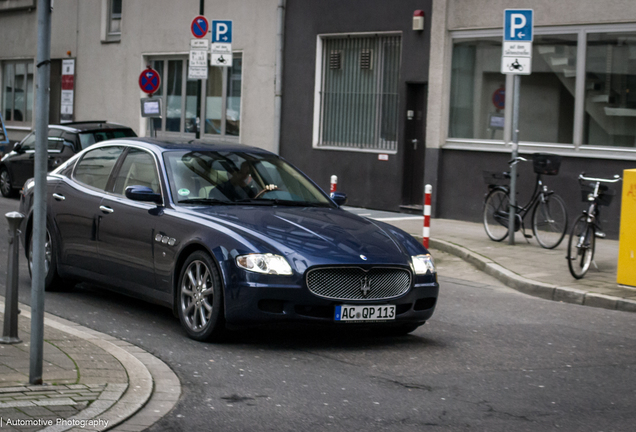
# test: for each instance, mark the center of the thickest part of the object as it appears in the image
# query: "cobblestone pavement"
(78, 375)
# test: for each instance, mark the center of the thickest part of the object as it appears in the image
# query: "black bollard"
(10, 330)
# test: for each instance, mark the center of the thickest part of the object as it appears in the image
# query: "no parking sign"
(149, 81)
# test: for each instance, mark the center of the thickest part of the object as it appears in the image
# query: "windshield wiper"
(204, 201)
(273, 201)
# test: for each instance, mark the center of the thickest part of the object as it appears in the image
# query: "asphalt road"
(490, 359)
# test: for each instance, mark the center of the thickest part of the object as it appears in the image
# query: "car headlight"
(423, 264)
(264, 263)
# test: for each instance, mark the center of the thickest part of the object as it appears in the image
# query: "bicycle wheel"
(549, 221)
(581, 247)
(496, 209)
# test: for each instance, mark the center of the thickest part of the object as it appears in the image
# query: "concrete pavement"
(525, 266)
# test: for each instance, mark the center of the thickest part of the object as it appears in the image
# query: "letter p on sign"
(222, 31)
(518, 25)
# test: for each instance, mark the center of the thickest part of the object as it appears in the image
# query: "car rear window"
(90, 138)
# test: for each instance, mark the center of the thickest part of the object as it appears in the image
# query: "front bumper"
(250, 304)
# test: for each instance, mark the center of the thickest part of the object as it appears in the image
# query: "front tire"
(200, 298)
(550, 221)
(6, 188)
(496, 210)
(581, 247)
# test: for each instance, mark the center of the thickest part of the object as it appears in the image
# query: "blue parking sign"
(222, 31)
(518, 25)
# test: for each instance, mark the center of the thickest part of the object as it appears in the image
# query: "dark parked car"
(226, 236)
(63, 142)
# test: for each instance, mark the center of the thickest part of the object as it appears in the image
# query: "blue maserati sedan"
(226, 236)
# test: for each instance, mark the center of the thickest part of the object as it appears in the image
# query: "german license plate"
(365, 313)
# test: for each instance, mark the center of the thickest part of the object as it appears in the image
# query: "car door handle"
(59, 197)
(106, 209)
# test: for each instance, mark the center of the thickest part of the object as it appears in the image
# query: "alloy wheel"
(197, 296)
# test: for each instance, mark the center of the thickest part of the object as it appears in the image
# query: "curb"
(534, 288)
(153, 389)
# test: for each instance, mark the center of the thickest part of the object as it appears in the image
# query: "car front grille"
(354, 283)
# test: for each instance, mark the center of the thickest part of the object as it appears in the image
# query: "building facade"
(113, 41)
(579, 102)
(354, 97)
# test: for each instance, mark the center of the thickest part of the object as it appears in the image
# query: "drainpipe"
(278, 93)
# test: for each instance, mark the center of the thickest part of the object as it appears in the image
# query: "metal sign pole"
(199, 87)
(515, 154)
(39, 196)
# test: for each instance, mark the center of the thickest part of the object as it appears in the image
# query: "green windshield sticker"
(184, 192)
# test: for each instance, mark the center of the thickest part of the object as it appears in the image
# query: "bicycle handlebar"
(616, 179)
(517, 160)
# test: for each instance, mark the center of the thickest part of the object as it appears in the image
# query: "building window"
(584, 102)
(114, 17)
(357, 93)
(111, 20)
(610, 90)
(221, 107)
(547, 95)
(17, 92)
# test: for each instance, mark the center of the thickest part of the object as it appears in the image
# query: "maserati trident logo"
(365, 285)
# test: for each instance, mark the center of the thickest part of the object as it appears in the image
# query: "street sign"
(198, 64)
(222, 31)
(149, 81)
(68, 90)
(223, 60)
(221, 54)
(150, 107)
(499, 98)
(516, 56)
(518, 25)
(516, 65)
(200, 27)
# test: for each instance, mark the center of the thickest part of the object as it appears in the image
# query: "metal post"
(515, 153)
(10, 330)
(199, 87)
(43, 63)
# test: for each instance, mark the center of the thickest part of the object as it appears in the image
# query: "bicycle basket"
(546, 163)
(496, 178)
(605, 194)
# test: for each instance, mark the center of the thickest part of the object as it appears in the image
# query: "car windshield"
(90, 138)
(209, 177)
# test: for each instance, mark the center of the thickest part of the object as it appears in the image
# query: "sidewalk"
(92, 381)
(526, 267)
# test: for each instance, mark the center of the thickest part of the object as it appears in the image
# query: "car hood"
(328, 235)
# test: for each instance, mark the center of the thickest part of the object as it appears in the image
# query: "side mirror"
(339, 198)
(143, 193)
(17, 148)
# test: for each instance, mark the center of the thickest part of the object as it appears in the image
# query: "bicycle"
(586, 228)
(549, 216)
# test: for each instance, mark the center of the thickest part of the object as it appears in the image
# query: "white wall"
(106, 80)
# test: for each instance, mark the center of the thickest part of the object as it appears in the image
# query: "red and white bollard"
(334, 184)
(426, 233)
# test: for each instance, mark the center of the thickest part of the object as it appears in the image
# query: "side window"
(138, 169)
(55, 142)
(95, 167)
(71, 138)
(29, 142)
